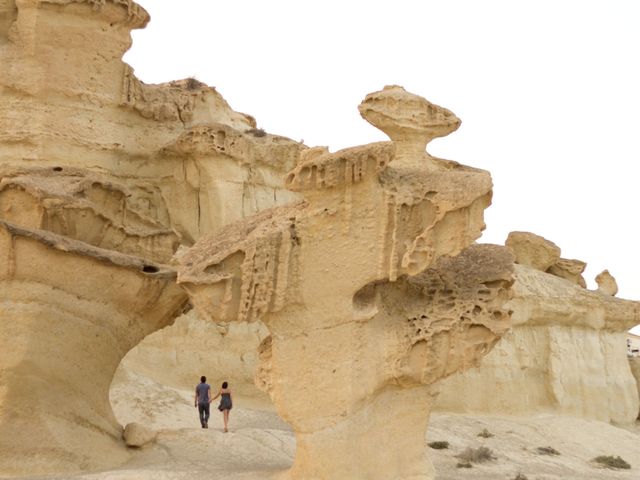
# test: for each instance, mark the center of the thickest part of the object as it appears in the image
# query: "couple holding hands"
(203, 400)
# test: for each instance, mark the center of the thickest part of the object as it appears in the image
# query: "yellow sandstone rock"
(69, 313)
(565, 354)
(607, 283)
(137, 435)
(355, 345)
(533, 250)
(102, 178)
(569, 270)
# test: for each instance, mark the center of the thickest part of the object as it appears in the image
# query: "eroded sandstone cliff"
(102, 178)
(565, 354)
(364, 311)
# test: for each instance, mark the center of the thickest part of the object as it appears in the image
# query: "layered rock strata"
(358, 333)
(566, 354)
(69, 313)
(102, 179)
(67, 101)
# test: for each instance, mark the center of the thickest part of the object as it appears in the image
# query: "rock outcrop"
(607, 284)
(533, 250)
(102, 179)
(358, 294)
(69, 313)
(136, 435)
(566, 354)
(569, 270)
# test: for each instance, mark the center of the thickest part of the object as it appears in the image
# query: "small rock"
(137, 435)
(533, 250)
(569, 270)
(607, 285)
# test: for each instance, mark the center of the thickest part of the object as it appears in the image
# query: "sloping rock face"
(365, 314)
(102, 179)
(565, 354)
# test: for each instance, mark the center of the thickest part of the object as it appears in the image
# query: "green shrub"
(485, 434)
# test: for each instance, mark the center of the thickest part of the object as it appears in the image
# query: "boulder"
(137, 435)
(607, 284)
(533, 250)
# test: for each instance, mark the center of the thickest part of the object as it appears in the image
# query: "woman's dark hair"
(225, 384)
(203, 379)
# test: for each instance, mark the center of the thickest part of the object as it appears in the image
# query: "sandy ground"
(260, 445)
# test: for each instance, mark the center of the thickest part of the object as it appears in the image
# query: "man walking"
(202, 401)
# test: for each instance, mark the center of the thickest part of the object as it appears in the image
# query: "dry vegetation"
(485, 434)
(439, 445)
(610, 461)
(547, 451)
(476, 455)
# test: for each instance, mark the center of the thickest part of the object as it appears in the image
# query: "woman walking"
(225, 403)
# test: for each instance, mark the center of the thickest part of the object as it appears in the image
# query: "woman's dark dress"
(225, 402)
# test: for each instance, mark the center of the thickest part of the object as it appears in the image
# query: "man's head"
(203, 379)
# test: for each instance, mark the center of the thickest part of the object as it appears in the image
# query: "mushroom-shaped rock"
(137, 435)
(607, 284)
(337, 368)
(533, 250)
(569, 270)
(418, 330)
(409, 120)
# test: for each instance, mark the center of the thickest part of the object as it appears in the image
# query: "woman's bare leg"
(225, 415)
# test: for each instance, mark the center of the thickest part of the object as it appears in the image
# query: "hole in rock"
(155, 382)
(57, 169)
(150, 269)
(365, 298)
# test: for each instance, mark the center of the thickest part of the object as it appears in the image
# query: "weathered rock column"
(69, 313)
(348, 365)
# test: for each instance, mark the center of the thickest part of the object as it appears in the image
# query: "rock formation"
(565, 354)
(69, 313)
(177, 355)
(365, 309)
(361, 264)
(533, 250)
(606, 283)
(137, 435)
(102, 178)
(569, 270)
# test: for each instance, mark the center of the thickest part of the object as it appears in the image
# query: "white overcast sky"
(548, 93)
